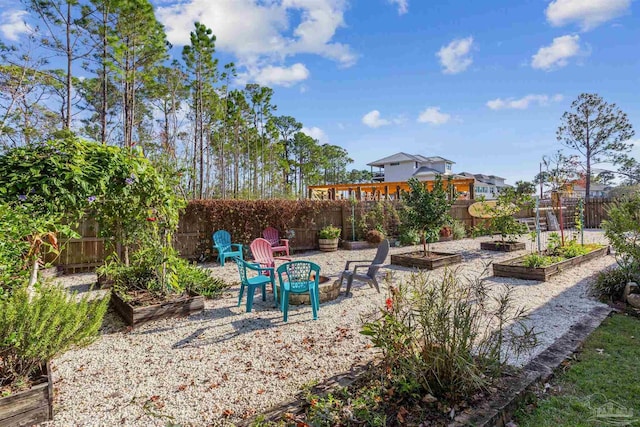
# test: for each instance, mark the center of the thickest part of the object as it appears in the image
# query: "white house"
(401, 167)
(486, 185)
(595, 190)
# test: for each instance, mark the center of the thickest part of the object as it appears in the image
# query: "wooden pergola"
(382, 190)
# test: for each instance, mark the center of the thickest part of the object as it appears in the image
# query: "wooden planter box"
(134, 315)
(360, 244)
(29, 407)
(328, 245)
(503, 247)
(514, 267)
(416, 260)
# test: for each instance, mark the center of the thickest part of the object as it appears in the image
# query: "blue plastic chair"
(295, 278)
(252, 283)
(222, 243)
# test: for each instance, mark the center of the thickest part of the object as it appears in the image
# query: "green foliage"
(427, 211)
(458, 230)
(572, 249)
(623, 229)
(409, 237)
(609, 284)
(536, 260)
(435, 336)
(329, 232)
(383, 216)
(503, 222)
(33, 332)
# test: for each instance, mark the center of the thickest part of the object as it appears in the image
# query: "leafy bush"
(329, 232)
(33, 332)
(536, 260)
(441, 336)
(502, 220)
(623, 229)
(609, 284)
(458, 231)
(382, 216)
(409, 237)
(572, 249)
(374, 236)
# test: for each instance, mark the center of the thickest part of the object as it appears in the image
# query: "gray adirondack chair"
(372, 268)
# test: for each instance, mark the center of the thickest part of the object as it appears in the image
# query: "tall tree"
(203, 73)
(558, 170)
(286, 127)
(138, 46)
(599, 131)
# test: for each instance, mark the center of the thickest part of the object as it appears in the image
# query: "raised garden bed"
(29, 407)
(360, 244)
(514, 267)
(432, 261)
(497, 245)
(136, 315)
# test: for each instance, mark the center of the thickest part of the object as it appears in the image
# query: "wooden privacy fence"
(193, 238)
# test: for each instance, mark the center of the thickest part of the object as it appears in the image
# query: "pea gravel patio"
(223, 366)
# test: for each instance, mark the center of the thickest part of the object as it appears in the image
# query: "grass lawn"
(604, 376)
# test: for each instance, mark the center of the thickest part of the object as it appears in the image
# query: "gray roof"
(404, 157)
(423, 170)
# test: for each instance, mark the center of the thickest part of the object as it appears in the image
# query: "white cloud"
(434, 116)
(403, 5)
(373, 119)
(557, 54)
(262, 33)
(12, 24)
(455, 57)
(271, 75)
(316, 133)
(587, 13)
(522, 103)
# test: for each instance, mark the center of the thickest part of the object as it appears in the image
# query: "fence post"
(538, 224)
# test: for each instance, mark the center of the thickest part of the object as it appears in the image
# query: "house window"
(448, 166)
(394, 164)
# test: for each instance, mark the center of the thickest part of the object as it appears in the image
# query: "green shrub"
(434, 336)
(458, 230)
(535, 260)
(374, 236)
(329, 232)
(572, 249)
(409, 237)
(609, 284)
(33, 332)
(623, 228)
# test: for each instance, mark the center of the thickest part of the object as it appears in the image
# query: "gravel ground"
(224, 365)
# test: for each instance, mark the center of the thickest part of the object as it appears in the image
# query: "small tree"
(427, 211)
(503, 221)
(599, 131)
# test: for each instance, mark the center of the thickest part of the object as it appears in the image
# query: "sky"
(482, 83)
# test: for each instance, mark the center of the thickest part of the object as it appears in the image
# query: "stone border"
(500, 410)
(497, 412)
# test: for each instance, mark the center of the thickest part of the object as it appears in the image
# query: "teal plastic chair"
(252, 283)
(295, 278)
(222, 243)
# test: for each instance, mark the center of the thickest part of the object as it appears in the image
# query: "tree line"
(104, 70)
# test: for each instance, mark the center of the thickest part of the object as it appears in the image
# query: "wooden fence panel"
(194, 234)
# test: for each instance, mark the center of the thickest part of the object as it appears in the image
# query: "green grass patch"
(605, 376)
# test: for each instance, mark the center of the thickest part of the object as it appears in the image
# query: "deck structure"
(382, 190)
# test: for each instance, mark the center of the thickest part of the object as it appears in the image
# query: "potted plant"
(426, 212)
(328, 238)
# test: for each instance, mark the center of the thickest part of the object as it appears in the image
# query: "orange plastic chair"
(277, 244)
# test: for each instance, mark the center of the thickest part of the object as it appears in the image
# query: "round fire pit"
(329, 290)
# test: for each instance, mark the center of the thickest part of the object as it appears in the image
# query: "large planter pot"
(328, 245)
(136, 315)
(432, 261)
(514, 267)
(503, 246)
(29, 407)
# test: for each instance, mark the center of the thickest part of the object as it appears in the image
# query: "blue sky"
(483, 83)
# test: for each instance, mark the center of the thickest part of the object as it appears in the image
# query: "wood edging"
(135, 316)
(31, 406)
(499, 411)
